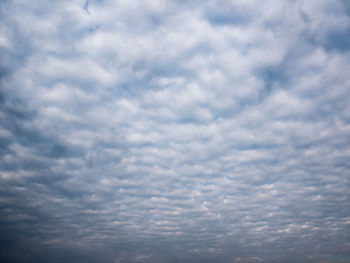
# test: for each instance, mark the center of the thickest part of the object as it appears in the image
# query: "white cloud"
(163, 131)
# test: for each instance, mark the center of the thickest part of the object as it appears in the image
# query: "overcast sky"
(175, 131)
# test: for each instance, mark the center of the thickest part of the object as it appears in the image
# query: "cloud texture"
(175, 131)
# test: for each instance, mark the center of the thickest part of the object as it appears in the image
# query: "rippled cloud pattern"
(175, 131)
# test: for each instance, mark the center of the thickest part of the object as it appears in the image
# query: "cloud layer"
(175, 131)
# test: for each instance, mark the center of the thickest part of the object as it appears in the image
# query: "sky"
(175, 131)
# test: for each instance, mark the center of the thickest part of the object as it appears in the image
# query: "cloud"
(168, 131)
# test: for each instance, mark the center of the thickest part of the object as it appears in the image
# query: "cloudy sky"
(175, 131)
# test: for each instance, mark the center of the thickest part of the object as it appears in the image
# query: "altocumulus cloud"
(175, 131)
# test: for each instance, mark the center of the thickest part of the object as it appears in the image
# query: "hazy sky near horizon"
(175, 131)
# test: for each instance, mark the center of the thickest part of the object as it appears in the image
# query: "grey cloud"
(174, 131)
